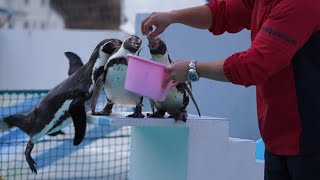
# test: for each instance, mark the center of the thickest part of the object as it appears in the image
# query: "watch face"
(193, 76)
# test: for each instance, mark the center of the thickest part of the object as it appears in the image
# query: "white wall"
(35, 59)
(216, 99)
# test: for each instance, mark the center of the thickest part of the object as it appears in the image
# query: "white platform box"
(163, 149)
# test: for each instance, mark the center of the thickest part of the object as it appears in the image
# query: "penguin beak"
(137, 43)
(153, 44)
(136, 46)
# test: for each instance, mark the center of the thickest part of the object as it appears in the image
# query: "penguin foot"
(157, 114)
(180, 116)
(107, 110)
(101, 113)
(29, 159)
(137, 113)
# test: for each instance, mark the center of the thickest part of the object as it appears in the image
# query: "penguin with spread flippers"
(114, 80)
(66, 103)
(75, 63)
(178, 96)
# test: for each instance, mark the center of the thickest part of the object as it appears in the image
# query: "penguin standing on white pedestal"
(64, 104)
(177, 100)
(114, 80)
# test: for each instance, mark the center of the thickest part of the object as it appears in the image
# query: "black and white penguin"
(66, 103)
(177, 99)
(114, 80)
(75, 63)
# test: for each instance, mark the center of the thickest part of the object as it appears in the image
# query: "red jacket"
(283, 63)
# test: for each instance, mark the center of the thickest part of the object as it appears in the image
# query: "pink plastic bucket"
(145, 77)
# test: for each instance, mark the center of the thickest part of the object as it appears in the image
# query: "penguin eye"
(107, 48)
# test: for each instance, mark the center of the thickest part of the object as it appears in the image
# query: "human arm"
(197, 17)
(211, 70)
(218, 16)
(285, 31)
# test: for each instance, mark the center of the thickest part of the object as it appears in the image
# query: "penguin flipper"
(96, 92)
(79, 118)
(75, 62)
(169, 59)
(192, 97)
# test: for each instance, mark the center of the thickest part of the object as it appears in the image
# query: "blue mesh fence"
(103, 154)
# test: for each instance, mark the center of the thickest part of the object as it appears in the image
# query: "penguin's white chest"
(114, 86)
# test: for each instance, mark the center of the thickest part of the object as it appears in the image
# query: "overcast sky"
(131, 7)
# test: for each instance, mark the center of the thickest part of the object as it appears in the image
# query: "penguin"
(66, 103)
(114, 80)
(75, 63)
(177, 99)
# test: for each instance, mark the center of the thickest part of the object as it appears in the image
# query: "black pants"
(278, 167)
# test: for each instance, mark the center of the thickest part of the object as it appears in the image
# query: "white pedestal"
(162, 149)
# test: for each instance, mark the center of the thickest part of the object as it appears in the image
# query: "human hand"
(161, 20)
(178, 72)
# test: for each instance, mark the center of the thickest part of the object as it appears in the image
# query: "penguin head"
(101, 55)
(110, 46)
(104, 50)
(132, 43)
(157, 46)
(107, 47)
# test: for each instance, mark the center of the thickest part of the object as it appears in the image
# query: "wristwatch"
(192, 74)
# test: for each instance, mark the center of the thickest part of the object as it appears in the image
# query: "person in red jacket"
(283, 62)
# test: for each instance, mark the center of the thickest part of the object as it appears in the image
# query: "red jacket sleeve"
(230, 15)
(287, 28)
